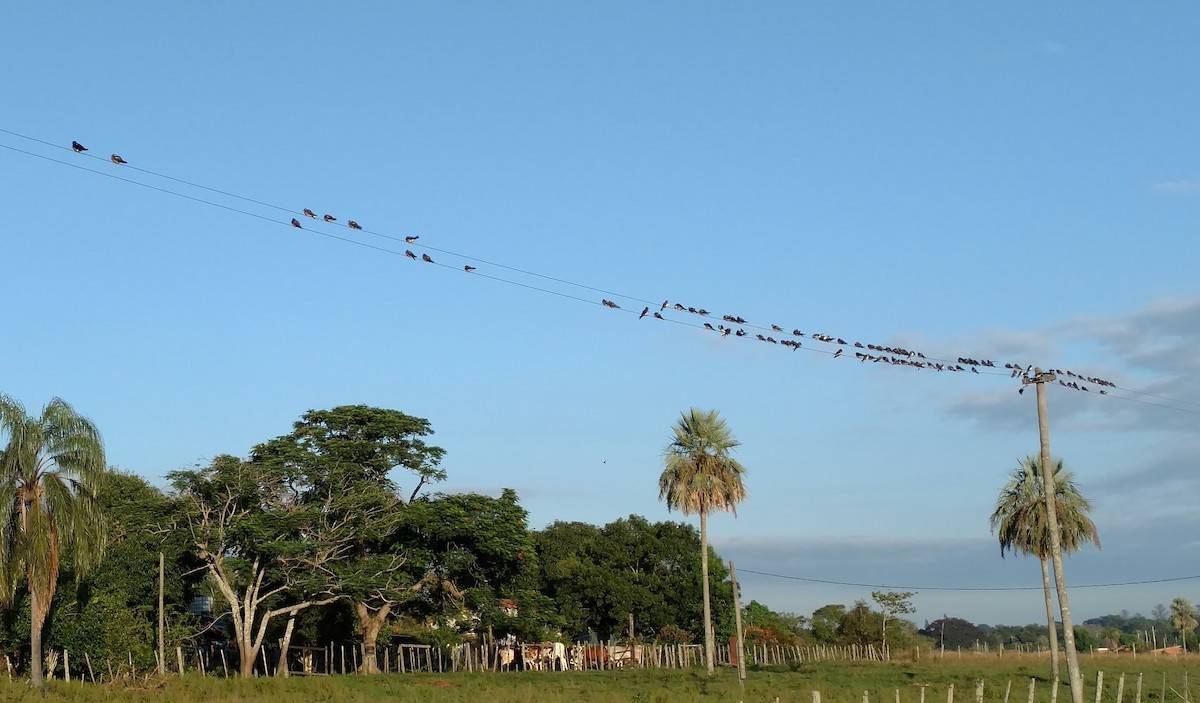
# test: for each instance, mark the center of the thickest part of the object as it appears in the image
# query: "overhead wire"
(893, 587)
(894, 356)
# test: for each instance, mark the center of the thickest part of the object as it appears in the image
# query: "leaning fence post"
(179, 657)
(1032, 683)
(1121, 687)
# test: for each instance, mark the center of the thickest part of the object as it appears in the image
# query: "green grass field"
(838, 682)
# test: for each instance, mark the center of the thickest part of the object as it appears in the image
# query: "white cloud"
(1180, 187)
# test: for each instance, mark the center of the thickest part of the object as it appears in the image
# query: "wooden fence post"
(950, 694)
(979, 691)
(1099, 685)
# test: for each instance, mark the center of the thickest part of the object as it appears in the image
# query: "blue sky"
(1015, 182)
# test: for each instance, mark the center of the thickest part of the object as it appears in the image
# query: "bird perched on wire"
(410, 240)
(409, 254)
(330, 218)
(116, 159)
(645, 310)
(664, 305)
(426, 259)
(659, 316)
(468, 269)
(79, 148)
(296, 223)
(353, 225)
(310, 213)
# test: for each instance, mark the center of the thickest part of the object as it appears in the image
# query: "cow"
(505, 657)
(622, 655)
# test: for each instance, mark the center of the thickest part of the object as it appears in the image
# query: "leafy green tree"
(113, 614)
(598, 576)
(861, 625)
(893, 604)
(1183, 618)
(465, 552)
(339, 462)
(826, 621)
(1021, 523)
(262, 548)
(50, 470)
(953, 632)
(700, 477)
(776, 628)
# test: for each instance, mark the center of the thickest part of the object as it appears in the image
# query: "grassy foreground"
(838, 682)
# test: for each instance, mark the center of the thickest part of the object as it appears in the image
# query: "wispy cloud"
(1151, 350)
(1051, 47)
(1180, 187)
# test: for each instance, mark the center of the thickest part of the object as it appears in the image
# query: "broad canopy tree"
(340, 464)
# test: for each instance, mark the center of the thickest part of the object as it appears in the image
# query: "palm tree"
(49, 472)
(701, 477)
(1021, 524)
(1183, 617)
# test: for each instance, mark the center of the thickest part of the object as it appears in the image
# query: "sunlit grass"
(838, 682)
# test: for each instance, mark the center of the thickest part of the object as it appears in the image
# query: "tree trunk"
(281, 671)
(370, 626)
(35, 640)
(1052, 628)
(709, 642)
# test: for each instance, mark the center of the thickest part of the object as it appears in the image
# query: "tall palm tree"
(1183, 617)
(1020, 523)
(701, 477)
(50, 470)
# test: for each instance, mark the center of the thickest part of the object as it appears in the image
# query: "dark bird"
(659, 316)
(741, 332)
(692, 310)
(702, 311)
(410, 240)
(295, 222)
(841, 341)
(858, 345)
(708, 327)
(797, 333)
(837, 353)
(777, 328)
(664, 305)
(725, 333)
(425, 258)
(468, 269)
(679, 307)
(79, 148)
(1021, 390)
(310, 213)
(645, 310)
(330, 218)
(353, 225)
(975, 369)
(760, 338)
(409, 254)
(116, 159)
(610, 304)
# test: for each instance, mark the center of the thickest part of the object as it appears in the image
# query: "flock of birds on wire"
(874, 353)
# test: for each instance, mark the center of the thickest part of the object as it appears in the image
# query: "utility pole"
(162, 650)
(737, 617)
(1040, 379)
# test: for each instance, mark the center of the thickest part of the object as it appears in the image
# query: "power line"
(964, 588)
(873, 353)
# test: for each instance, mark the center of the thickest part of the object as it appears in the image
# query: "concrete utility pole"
(1040, 379)
(737, 621)
(162, 650)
